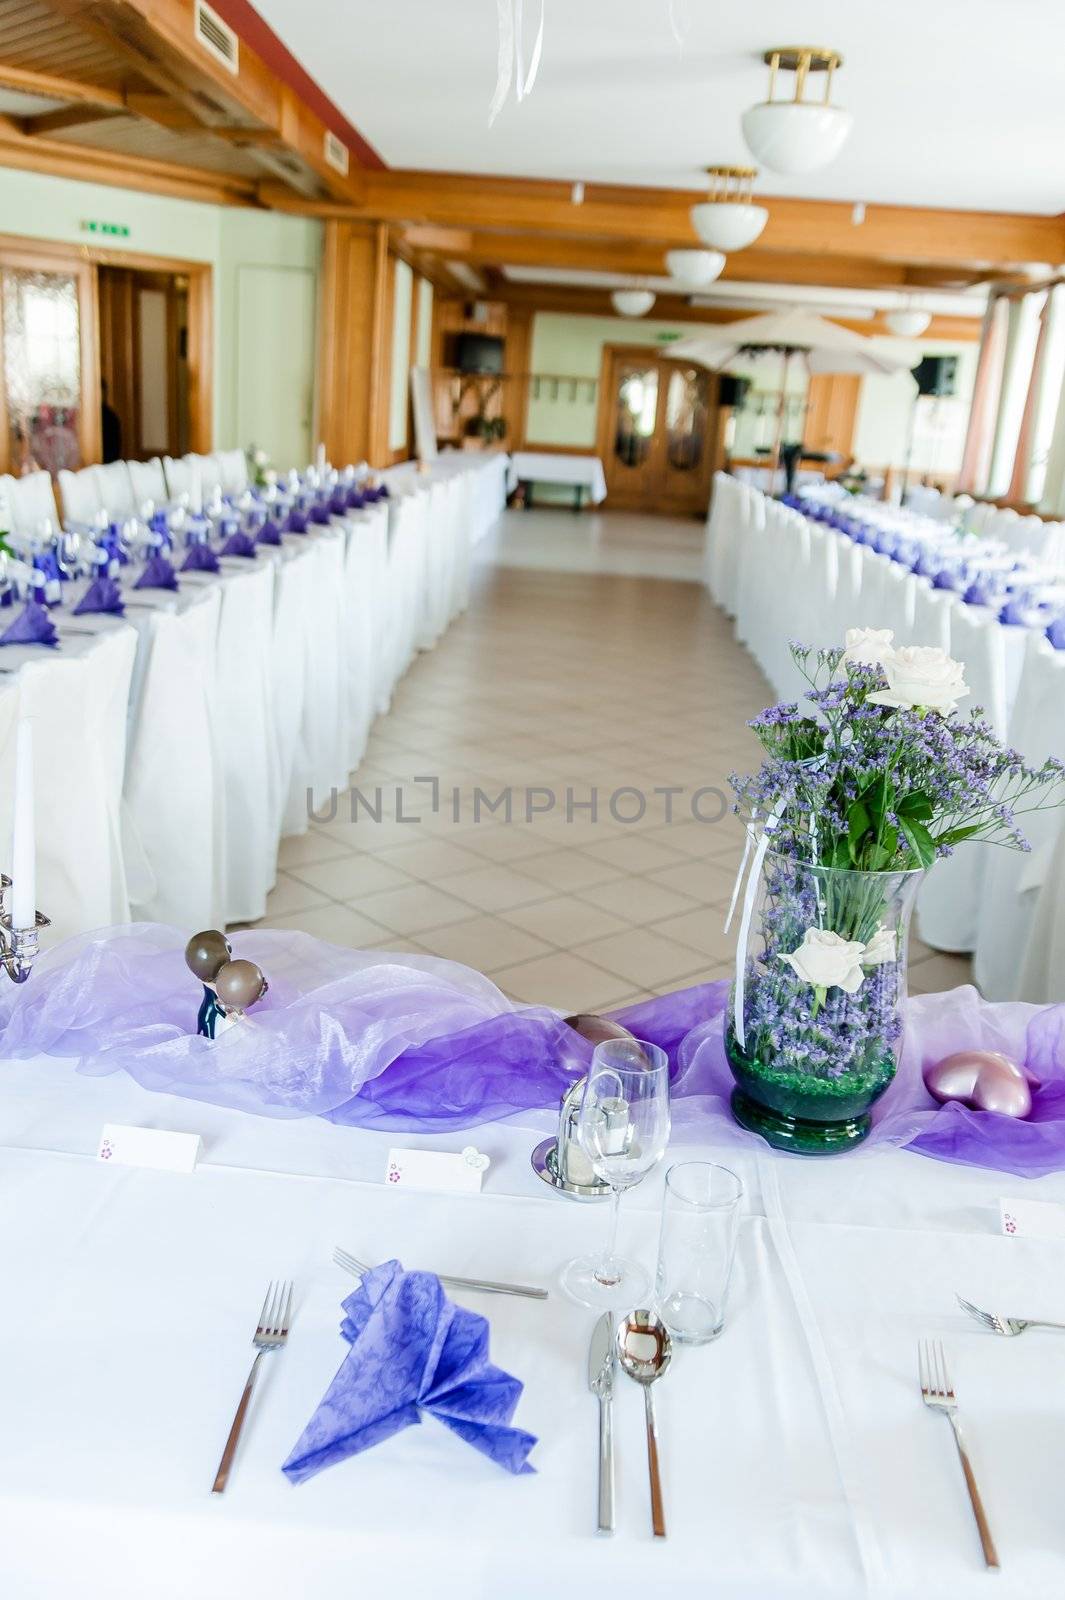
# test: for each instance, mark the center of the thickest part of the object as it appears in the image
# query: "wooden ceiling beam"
(51, 87)
(68, 117)
(824, 228)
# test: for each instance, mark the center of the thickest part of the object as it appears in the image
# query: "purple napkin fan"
(297, 521)
(1056, 633)
(33, 625)
(320, 513)
(945, 578)
(239, 544)
(158, 574)
(269, 533)
(979, 592)
(201, 558)
(103, 595)
(412, 1351)
(338, 503)
(1014, 613)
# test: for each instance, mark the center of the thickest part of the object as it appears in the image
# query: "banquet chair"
(178, 476)
(1014, 881)
(750, 567)
(1030, 534)
(1003, 524)
(149, 481)
(80, 493)
(232, 466)
(210, 471)
(718, 525)
(1052, 554)
(31, 501)
(977, 518)
(932, 611)
(951, 898)
(116, 489)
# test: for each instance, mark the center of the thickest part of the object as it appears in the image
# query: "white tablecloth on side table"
(572, 472)
(798, 1459)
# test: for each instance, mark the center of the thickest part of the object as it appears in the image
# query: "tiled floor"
(555, 684)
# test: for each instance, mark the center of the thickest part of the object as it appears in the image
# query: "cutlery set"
(641, 1346)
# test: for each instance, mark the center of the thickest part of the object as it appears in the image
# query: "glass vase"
(820, 985)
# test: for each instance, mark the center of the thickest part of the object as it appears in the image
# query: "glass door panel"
(42, 372)
(687, 407)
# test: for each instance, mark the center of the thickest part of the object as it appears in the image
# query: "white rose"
(261, 458)
(867, 647)
(922, 675)
(827, 961)
(881, 948)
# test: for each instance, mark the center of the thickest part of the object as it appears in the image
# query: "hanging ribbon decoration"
(510, 61)
(675, 27)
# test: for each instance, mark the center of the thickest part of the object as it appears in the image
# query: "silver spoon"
(645, 1351)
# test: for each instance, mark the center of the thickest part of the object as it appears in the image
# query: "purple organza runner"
(417, 1044)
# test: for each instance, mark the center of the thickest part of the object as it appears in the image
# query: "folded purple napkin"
(411, 1351)
(978, 593)
(946, 579)
(201, 558)
(158, 574)
(33, 625)
(1056, 633)
(297, 522)
(338, 503)
(1014, 613)
(320, 513)
(239, 544)
(356, 499)
(269, 533)
(103, 594)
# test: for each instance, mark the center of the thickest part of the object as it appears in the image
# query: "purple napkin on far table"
(33, 625)
(297, 522)
(239, 544)
(1014, 614)
(1056, 633)
(412, 1350)
(103, 594)
(158, 574)
(201, 558)
(320, 513)
(269, 533)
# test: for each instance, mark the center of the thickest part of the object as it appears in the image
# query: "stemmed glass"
(623, 1129)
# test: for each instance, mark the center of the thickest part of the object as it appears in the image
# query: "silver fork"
(270, 1334)
(1009, 1327)
(358, 1269)
(937, 1391)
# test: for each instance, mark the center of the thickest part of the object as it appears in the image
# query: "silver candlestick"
(19, 947)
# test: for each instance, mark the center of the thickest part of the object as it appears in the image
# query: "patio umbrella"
(825, 346)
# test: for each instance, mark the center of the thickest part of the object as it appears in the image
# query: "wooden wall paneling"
(516, 363)
(831, 412)
(353, 358)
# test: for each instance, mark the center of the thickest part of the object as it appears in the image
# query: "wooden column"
(516, 364)
(355, 343)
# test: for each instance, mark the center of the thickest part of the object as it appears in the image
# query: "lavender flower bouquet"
(859, 793)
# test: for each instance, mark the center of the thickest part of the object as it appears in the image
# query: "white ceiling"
(956, 102)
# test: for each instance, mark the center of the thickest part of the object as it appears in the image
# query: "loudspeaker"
(937, 375)
(732, 391)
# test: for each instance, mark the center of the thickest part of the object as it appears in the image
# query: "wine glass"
(623, 1129)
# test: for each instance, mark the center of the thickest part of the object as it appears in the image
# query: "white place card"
(1034, 1219)
(440, 1170)
(148, 1147)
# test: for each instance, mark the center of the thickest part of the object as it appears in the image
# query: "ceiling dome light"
(694, 269)
(729, 220)
(796, 136)
(632, 302)
(907, 322)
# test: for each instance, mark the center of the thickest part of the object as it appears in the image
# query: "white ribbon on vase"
(753, 880)
(510, 62)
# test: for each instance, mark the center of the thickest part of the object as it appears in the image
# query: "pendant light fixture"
(633, 302)
(729, 219)
(694, 269)
(797, 135)
(908, 321)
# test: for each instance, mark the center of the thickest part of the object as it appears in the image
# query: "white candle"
(23, 866)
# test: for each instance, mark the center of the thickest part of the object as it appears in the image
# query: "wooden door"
(831, 412)
(657, 431)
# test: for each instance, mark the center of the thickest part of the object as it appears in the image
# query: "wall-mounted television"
(478, 352)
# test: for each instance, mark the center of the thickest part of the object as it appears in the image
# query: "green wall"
(229, 238)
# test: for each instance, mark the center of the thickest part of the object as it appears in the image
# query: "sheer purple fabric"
(415, 1044)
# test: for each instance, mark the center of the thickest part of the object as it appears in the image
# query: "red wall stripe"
(264, 41)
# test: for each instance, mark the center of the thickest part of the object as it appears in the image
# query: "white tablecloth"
(783, 576)
(174, 747)
(574, 472)
(798, 1459)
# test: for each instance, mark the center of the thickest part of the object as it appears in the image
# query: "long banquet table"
(782, 575)
(176, 745)
(798, 1459)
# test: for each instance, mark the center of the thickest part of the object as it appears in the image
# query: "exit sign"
(113, 230)
(667, 338)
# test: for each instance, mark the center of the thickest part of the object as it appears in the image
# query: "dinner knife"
(602, 1356)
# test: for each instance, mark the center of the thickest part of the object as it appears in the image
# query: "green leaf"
(889, 849)
(919, 840)
(956, 835)
(916, 805)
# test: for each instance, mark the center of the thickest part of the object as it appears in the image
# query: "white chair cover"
(80, 491)
(31, 501)
(232, 469)
(210, 471)
(178, 476)
(149, 481)
(115, 489)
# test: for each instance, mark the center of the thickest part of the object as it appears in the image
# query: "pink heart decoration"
(983, 1079)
